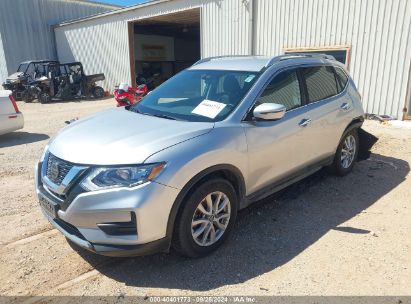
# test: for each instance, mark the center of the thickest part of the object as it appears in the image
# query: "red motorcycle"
(126, 95)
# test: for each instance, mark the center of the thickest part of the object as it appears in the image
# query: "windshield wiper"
(163, 116)
(149, 114)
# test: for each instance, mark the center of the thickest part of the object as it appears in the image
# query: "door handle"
(305, 122)
(345, 106)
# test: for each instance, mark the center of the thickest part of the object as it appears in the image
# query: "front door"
(276, 149)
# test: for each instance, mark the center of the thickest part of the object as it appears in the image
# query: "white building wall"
(226, 27)
(100, 47)
(101, 44)
(378, 33)
(3, 63)
(225, 30)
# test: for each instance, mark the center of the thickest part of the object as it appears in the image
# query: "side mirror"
(269, 111)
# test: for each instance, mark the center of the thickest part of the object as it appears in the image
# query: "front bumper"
(72, 234)
(82, 220)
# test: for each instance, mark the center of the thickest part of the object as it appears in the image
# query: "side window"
(342, 79)
(283, 89)
(320, 82)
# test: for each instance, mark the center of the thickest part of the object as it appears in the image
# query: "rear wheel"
(98, 92)
(346, 154)
(44, 97)
(206, 219)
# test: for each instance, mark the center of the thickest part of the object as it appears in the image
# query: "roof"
(113, 12)
(38, 61)
(256, 63)
(232, 63)
(112, 6)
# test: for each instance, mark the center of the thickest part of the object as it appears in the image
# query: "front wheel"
(346, 154)
(98, 92)
(206, 219)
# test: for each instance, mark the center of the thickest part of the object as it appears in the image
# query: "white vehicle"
(11, 119)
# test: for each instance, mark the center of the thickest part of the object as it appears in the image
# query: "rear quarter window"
(342, 79)
(320, 81)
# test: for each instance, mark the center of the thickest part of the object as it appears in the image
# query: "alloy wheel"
(211, 218)
(348, 151)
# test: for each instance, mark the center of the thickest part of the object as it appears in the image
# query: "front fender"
(192, 160)
(224, 145)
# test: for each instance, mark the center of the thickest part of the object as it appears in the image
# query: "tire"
(344, 161)
(98, 92)
(44, 97)
(196, 241)
(27, 97)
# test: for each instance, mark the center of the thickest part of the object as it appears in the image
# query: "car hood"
(118, 136)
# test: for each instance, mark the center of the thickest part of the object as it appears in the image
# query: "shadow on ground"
(269, 233)
(20, 138)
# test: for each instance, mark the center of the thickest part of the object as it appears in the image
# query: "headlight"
(114, 177)
(122, 97)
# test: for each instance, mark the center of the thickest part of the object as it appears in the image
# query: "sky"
(121, 2)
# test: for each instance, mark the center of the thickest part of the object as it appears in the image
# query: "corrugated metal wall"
(377, 31)
(102, 48)
(26, 26)
(3, 63)
(101, 44)
(226, 27)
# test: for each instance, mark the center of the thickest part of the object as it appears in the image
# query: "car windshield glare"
(198, 95)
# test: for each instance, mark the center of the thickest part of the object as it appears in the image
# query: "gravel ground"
(322, 236)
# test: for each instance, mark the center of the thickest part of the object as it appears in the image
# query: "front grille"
(57, 169)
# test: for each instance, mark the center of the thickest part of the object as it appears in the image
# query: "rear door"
(329, 107)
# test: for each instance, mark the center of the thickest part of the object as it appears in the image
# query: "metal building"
(26, 28)
(372, 37)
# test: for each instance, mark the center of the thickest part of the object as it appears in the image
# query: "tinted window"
(342, 79)
(283, 89)
(320, 81)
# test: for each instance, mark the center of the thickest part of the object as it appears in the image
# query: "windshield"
(198, 95)
(35, 70)
(22, 67)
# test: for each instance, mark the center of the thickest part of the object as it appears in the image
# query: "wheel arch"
(355, 123)
(226, 171)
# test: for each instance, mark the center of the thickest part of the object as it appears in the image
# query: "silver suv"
(174, 169)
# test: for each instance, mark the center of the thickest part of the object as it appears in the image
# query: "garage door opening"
(162, 46)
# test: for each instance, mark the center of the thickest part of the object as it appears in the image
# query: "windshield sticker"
(209, 108)
(249, 78)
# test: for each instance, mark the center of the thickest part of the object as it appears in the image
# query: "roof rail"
(218, 57)
(298, 55)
